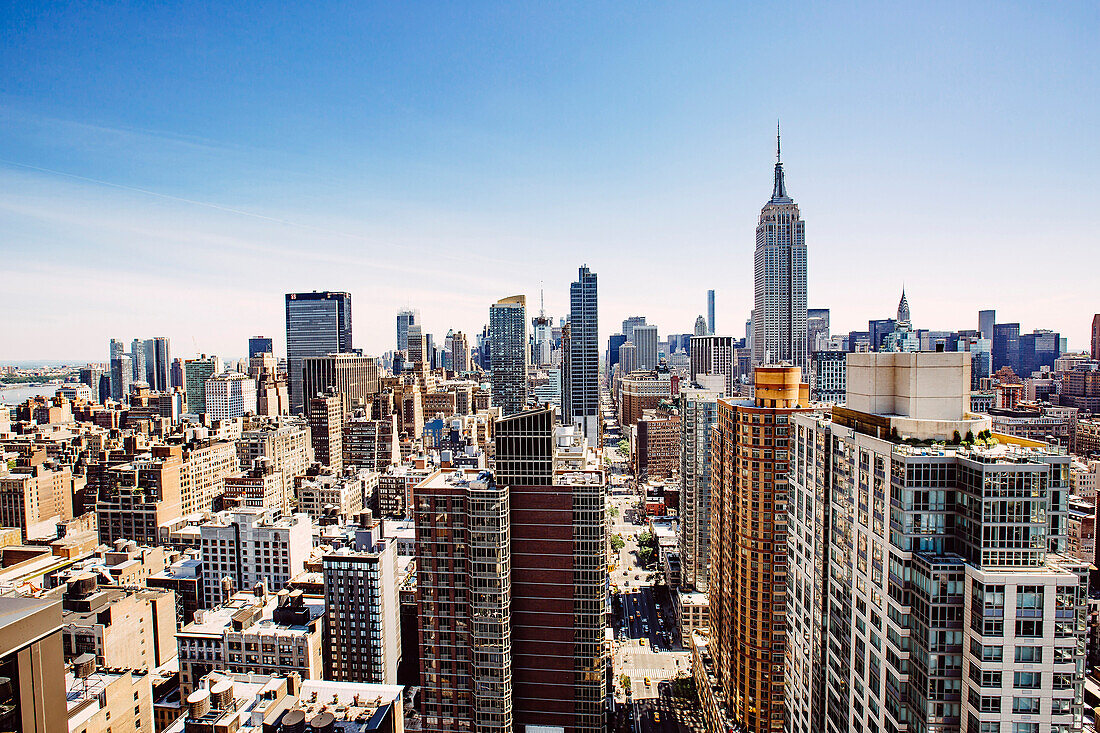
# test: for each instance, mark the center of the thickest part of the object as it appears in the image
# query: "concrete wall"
(923, 385)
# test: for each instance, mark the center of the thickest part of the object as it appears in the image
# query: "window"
(1029, 627)
(1027, 680)
(1025, 728)
(1025, 705)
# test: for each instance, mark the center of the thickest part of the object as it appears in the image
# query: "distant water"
(17, 395)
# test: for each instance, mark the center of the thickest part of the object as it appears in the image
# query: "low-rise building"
(258, 703)
(254, 633)
(692, 612)
(243, 547)
(324, 493)
(124, 628)
(116, 700)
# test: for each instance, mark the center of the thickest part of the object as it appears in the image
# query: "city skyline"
(434, 184)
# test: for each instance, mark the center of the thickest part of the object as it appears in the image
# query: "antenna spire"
(778, 157)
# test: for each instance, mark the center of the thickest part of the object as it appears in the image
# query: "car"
(642, 641)
(647, 681)
(656, 717)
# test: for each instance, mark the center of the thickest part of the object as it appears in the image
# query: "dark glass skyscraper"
(710, 312)
(259, 345)
(508, 353)
(158, 363)
(317, 324)
(1006, 346)
(583, 380)
(405, 318)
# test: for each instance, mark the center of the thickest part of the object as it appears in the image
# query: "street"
(646, 647)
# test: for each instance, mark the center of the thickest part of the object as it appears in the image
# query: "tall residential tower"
(581, 401)
(508, 326)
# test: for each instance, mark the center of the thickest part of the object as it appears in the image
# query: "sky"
(172, 169)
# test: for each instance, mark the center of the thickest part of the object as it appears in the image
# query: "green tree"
(624, 681)
(684, 688)
(617, 542)
(614, 511)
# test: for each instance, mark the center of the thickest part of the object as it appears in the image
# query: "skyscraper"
(1037, 350)
(927, 589)
(259, 345)
(629, 325)
(326, 429)
(416, 346)
(645, 340)
(354, 377)
(511, 578)
(714, 355)
(317, 324)
(195, 374)
(817, 330)
(139, 372)
(614, 342)
(158, 363)
(779, 312)
(460, 353)
(628, 358)
(121, 375)
(1006, 346)
(710, 312)
(405, 318)
(698, 413)
(700, 326)
(748, 540)
(361, 583)
(986, 319)
(230, 395)
(583, 379)
(508, 327)
(1096, 337)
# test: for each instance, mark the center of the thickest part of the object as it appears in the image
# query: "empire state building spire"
(779, 189)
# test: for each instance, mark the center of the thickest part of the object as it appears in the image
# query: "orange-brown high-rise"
(750, 448)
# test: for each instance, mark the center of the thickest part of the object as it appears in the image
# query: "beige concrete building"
(120, 701)
(263, 634)
(258, 703)
(335, 495)
(124, 628)
(31, 658)
(35, 499)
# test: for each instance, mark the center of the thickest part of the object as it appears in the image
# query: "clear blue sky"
(174, 168)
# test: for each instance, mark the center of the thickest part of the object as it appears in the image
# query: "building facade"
(353, 376)
(926, 589)
(779, 307)
(698, 416)
(508, 326)
(581, 393)
(361, 586)
(748, 534)
(230, 395)
(317, 324)
(714, 355)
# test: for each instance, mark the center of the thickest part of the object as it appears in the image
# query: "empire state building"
(779, 313)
